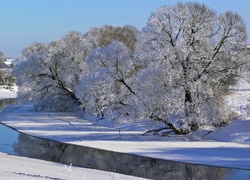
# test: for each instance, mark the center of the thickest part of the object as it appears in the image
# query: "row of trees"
(2, 59)
(6, 79)
(175, 71)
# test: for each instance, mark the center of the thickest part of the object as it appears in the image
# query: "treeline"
(175, 71)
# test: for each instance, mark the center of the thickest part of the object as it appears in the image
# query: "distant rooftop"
(12, 62)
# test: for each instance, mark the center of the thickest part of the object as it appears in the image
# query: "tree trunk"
(188, 103)
(170, 125)
(190, 110)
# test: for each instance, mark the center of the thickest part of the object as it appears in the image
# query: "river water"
(15, 143)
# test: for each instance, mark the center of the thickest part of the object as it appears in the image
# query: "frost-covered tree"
(103, 36)
(189, 56)
(107, 86)
(109, 44)
(50, 72)
(27, 70)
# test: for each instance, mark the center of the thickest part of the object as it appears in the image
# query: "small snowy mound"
(238, 131)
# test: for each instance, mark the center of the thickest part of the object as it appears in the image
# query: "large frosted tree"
(51, 71)
(189, 55)
(108, 84)
(105, 89)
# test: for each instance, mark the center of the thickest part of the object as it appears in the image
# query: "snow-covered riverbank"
(214, 149)
(21, 168)
(227, 146)
(15, 167)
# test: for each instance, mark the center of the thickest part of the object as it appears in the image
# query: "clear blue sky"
(23, 22)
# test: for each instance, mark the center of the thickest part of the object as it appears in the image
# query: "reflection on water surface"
(12, 142)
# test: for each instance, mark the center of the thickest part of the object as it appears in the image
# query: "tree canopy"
(50, 72)
(188, 52)
(176, 71)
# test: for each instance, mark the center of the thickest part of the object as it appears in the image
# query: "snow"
(15, 167)
(22, 168)
(226, 146)
(5, 93)
(238, 131)
(71, 128)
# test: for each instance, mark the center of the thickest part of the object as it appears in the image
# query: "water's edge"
(40, 148)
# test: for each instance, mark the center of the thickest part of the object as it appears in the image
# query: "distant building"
(11, 62)
(6, 77)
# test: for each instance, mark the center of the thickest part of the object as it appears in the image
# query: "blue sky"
(26, 21)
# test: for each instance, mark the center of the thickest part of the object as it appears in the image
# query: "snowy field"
(227, 146)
